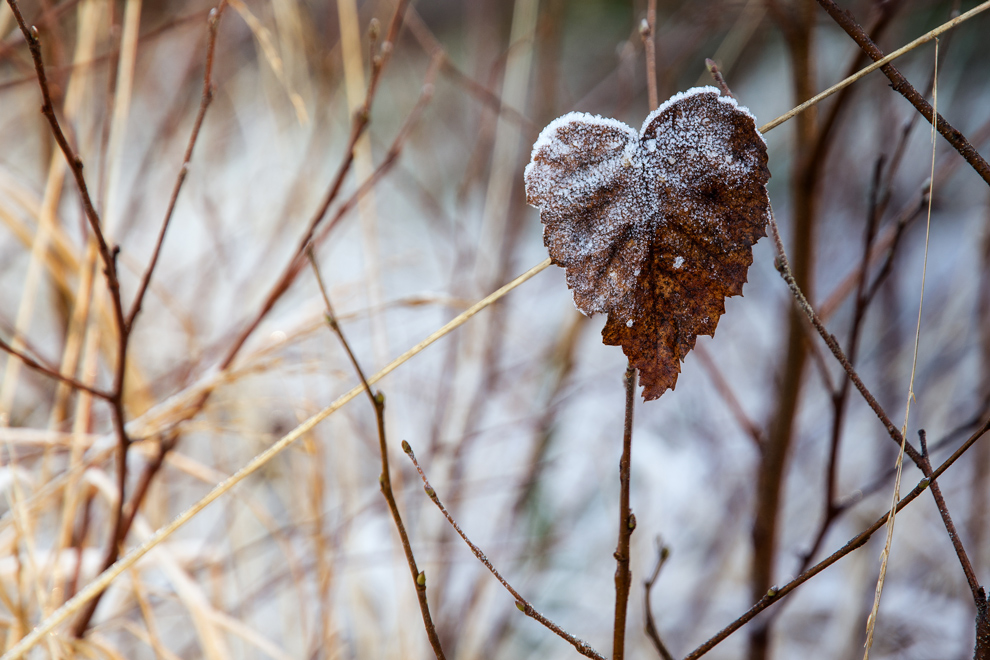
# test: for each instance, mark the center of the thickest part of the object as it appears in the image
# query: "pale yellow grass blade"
(871, 622)
(904, 50)
(270, 51)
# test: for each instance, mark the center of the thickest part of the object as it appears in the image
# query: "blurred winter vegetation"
(516, 416)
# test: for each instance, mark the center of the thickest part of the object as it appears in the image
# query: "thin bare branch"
(522, 604)
(206, 99)
(53, 373)
(663, 553)
(785, 271)
(647, 31)
(385, 479)
(901, 85)
(775, 594)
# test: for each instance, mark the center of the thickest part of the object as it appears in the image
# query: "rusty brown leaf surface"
(654, 229)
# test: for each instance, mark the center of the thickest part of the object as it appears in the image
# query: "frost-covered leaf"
(655, 229)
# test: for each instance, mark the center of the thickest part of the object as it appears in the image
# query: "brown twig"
(627, 523)
(979, 596)
(108, 256)
(361, 120)
(165, 445)
(841, 398)
(74, 161)
(522, 604)
(647, 31)
(123, 518)
(53, 373)
(206, 99)
(900, 84)
(717, 76)
(785, 271)
(776, 593)
(378, 402)
(663, 553)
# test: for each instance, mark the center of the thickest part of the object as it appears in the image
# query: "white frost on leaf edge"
(549, 133)
(707, 89)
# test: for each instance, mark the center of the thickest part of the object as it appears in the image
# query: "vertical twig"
(109, 258)
(647, 30)
(663, 553)
(627, 523)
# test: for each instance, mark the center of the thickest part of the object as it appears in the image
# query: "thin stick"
(974, 585)
(663, 553)
(925, 38)
(385, 479)
(109, 257)
(627, 523)
(717, 75)
(522, 604)
(647, 30)
(905, 89)
(52, 373)
(75, 163)
(109, 575)
(858, 541)
(784, 269)
(206, 99)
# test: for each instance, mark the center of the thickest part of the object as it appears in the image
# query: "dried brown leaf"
(655, 229)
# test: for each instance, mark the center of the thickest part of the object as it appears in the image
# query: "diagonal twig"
(926, 467)
(522, 604)
(907, 90)
(785, 271)
(207, 98)
(776, 593)
(53, 373)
